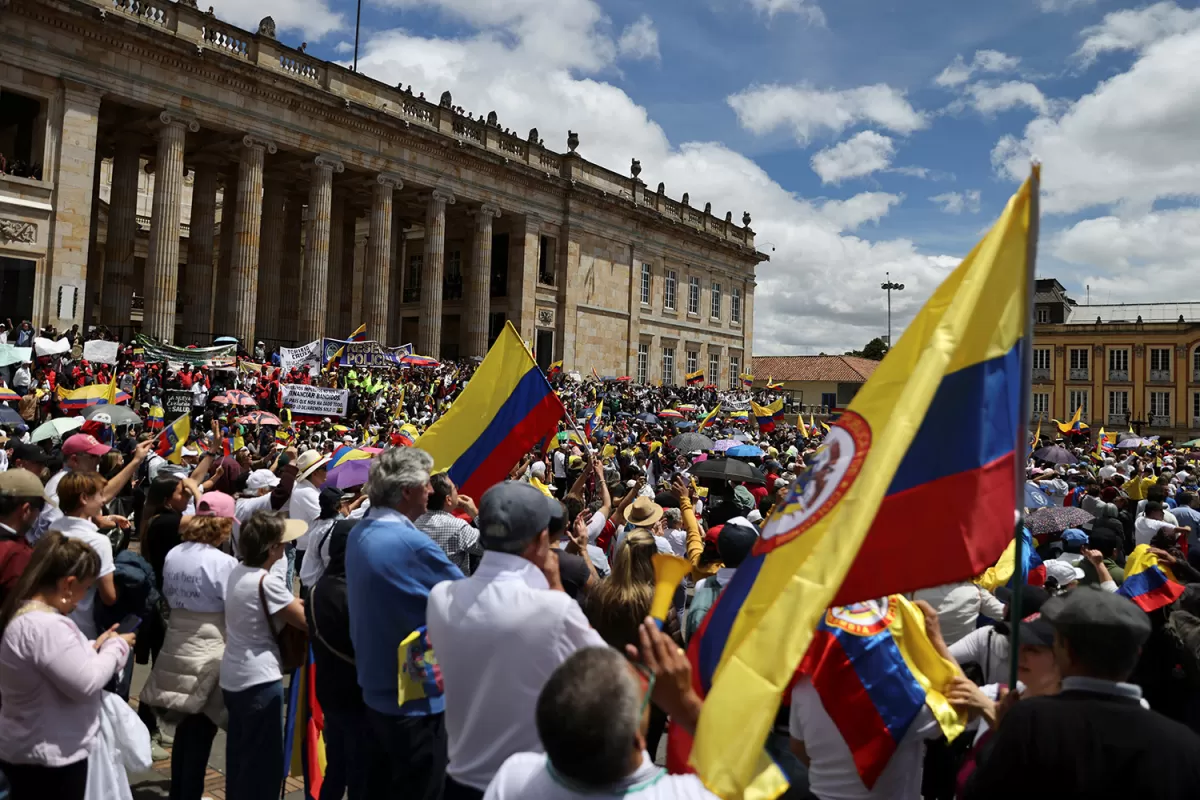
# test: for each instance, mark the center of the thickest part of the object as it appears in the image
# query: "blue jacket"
(390, 568)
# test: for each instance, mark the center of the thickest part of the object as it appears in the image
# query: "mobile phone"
(129, 624)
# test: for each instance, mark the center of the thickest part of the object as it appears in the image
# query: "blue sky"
(863, 136)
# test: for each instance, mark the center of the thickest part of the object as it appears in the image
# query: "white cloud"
(861, 154)
(1133, 140)
(1050, 6)
(312, 19)
(958, 202)
(804, 8)
(989, 99)
(806, 111)
(1135, 29)
(959, 71)
(640, 40)
(534, 80)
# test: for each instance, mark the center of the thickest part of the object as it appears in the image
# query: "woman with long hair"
(183, 682)
(51, 677)
(618, 604)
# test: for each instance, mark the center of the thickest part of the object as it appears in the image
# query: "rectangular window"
(735, 370)
(1196, 364)
(1078, 398)
(547, 260)
(1041, 405)
(716, 301)
(1118, 365)
(669, 290)
(735, 305)
(452, 280)
(1118, 403)
(643, 362)
(1195, 408)
(1160, 359)
(1160, 404)
(693, 295)
(668, 366)
(693, 361)
(412, 285)
(1079, 358)
(1043, 315)
(22, 134)
(714, 369)
(645, 284)
(1041, 358)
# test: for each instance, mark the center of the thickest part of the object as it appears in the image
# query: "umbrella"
(1055, 455)
(687, 442)
(725, 444)
(625, 378)
(414, 360)
(8, 395)
(1192, 443)
(225, 340)
(647, 418)
(349, 473)
(624, 414)
(234, 398)
(741, 436)
(744, 451)
(685, 425)
(56, 428)
(1123, 435)
(112, 415)
(1055, 519)
(727, 469)
(260, 418)
(670, 413)
(686, 408)
(1035, 497)
(11, 418)
(1130, 444)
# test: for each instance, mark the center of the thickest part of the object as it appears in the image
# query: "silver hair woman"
(399, 479)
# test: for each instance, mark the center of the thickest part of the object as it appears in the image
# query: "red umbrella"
(260, 418)
(670, 413)
(625, 379)
(234, 398)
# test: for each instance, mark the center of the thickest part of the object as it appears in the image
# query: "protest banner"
(101, 351)
(221, 356)
(49, 347)
(11, 354)
(176, 402)
(316, 401)
(306, 357)
(362, 354)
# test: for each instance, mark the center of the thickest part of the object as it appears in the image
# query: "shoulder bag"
(291, 641)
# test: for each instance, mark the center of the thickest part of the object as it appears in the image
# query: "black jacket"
(328, 613)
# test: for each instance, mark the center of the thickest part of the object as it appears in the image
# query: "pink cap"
(215, 504)
(84, 443)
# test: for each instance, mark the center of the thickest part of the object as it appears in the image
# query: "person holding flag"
(593, 421)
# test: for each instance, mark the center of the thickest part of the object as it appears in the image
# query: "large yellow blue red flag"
(170, 442)
(1148, 583)
(764, 417)
(858, 522)
(96, 394)
(593, 421)
(507, 407)
(709, 417)
(1074, 426)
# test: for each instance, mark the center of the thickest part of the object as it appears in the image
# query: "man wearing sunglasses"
(21, 499)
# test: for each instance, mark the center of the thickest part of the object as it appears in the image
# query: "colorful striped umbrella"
(669, 413)
(8, 395)
(347, 453)
(260, 418)
(234, 398)
(414, 360)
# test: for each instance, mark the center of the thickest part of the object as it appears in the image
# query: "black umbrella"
(687, 442)
(727, 469)
(1054, 519)
(648, 418)
(1055, 455)
(1123, 435)
(9, 416)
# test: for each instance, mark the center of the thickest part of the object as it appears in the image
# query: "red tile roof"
(840, 369)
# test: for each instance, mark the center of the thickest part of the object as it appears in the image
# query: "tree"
(875, 350)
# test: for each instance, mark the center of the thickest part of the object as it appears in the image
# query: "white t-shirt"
(525, 776)
(251, 655)
(986, 647)
(195, 576)
(316, 558)
(1145, 528)
(50, 512)
(305, 505)
(75, 528)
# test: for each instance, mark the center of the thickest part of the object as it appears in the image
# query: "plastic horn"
(668, 572)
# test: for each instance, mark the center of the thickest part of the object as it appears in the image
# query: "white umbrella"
(56, 428)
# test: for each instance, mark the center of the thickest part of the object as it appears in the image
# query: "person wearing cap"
(735, 541)
(1094, 738)
(305, 504)
(266, 490)
(513, 608)
(989, 648)
(257, 604)
(457, 537)
(194, 577)
(21, 499)
(29, 457)
(391, 567)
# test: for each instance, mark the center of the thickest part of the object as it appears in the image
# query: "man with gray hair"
(390, 568)
(500, 634)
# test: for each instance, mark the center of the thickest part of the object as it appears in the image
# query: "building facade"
(1123, 365)
(814, 384)
(188, 179)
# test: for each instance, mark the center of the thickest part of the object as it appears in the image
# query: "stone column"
(270, 258)
(293, 226)
(197, 299)
(379, 257)
(429, 332)
(116, 301)
(221, 316)
(346, 313)
(396, 281)
(94, 277)
(162, 259)
(479, 286)
(247, 227)
(337, 231)
(316, 248)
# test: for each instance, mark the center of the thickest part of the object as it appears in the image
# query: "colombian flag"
(505, 409)
(747, 380)
(772, 385)
(693, 378)
(346, 453)
(776, 409)
(709, 417)
(849, 528)
(94, 395)
(1074, 426)
(359, 335)
(154, 419)
(593, 420)
(739, 414)
(764, 416)
(1147, 583)
(304, 731)
(170, 442)
(555, 369)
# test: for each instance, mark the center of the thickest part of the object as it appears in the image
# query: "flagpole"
(1031, 242)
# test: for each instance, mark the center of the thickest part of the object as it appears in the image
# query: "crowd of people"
(500, 646)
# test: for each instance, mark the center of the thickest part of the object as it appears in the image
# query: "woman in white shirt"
(184, 680)
(81, 500)
(258, 603)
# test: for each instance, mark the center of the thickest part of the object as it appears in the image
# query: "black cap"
(512, 514)
(30, 452)
(735, 542)
(1032, 600)
(1036, 630)
(1099, 615)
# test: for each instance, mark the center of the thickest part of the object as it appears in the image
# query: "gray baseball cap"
(512, 514)
(1097, 614)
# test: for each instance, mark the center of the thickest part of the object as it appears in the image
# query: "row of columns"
(256, 289)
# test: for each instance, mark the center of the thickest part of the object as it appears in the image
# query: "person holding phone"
(51, 677)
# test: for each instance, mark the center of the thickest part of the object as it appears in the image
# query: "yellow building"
(814, 384)
(1125, 365)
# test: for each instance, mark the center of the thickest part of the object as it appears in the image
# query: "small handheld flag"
(359, 335)
(694, 378)
(747, 380)
(555, 369)
(170, 442)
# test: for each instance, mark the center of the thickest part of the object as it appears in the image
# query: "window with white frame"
(1160, 404)
(1118, 403)
(1041, 405)
(668, 366)
(1079, 357)
(693, 361)
(1160, 363)
(735, 305)
(669, 280)
(714, 369)
(735, 369)
(1118, 361)
(1078, 398)
(1041, 358)
(693, 295)
(645, 284)
(715, 310)
(1043, 315)
(643, 362)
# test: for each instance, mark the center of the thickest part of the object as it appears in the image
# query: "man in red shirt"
(21, 499)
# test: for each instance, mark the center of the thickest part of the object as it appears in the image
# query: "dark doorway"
(544, 347)
(16, 288)
(500, 265)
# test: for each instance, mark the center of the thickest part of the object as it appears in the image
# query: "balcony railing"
(1160, 420)
(1040, 416)
(1040, 374)
(1118, 375)
(1118, 419)
(1079, 374)
(1160, 376)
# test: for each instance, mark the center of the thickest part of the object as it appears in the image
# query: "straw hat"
(643, 512)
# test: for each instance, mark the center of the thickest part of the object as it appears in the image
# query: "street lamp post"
(888, 286)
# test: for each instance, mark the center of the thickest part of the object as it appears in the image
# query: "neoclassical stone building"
(171, 173)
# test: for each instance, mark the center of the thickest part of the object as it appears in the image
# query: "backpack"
(704, 599)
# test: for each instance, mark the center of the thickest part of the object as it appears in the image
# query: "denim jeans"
(189, 756)
(254, 742)
(347, 754)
